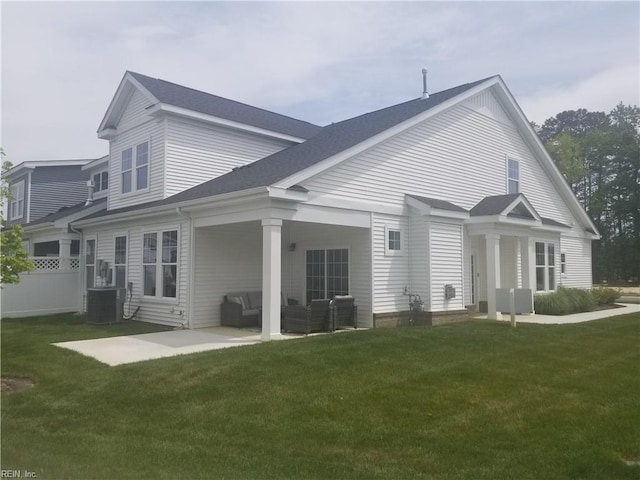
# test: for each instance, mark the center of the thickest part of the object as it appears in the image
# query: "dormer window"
(101, 181)
(135, 177)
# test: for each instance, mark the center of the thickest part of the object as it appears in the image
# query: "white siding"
(445, 247)
(228, 259)
(578, 258)
(135, 111)
(458, 155)
(391, 272)
(197, 153)
(153, 132)
(165, 311)
(419, 260)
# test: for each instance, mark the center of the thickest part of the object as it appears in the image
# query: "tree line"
(599, 155)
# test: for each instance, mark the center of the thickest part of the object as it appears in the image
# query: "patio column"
(64, 260)
(271, 277)
(528, 260)
(493, 274)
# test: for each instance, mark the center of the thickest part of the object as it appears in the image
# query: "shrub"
(606, 295)
(564, 301)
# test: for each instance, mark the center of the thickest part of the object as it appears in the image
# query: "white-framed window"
(393, 241)
(101, 181)
(135, 176)
(545, 266)
(90, 262)
(513, 176)
(563, 264)
(160, 264)
(120, 261)
(327, 273)
(16, 207)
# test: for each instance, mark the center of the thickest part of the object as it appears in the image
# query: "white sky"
(320, 62)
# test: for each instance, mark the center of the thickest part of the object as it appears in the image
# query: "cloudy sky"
(321, 62)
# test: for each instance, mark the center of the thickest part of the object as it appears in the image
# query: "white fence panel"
(42, 293)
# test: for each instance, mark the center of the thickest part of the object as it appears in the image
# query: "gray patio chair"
(344, 312)
(314, 318)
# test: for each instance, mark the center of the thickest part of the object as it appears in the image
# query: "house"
(448, 196)
(46, 197)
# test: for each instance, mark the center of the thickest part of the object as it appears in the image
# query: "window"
(90, 262)
(545, 267)
(327, 273)
(142, 166)
(160, 272)
(563, 263)
(126, 170)
(120, 261)
(101, 181)
(16, 207)
(135, 177)
(513, 176)
(393, 244)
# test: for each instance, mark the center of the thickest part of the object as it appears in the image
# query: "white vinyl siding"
(578, 262)
(196, 153)
(228, 259)
(135, 112)
(167, 311)
(152, 132)
(391, 272)
(419, 268)
(445, 251)
(457, 155)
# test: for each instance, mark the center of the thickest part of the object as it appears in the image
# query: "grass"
(477, 400)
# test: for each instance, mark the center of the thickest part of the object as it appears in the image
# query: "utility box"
(523, 298)
(449, 291)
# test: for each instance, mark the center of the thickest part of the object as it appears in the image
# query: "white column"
(64, 254)
(493, 274)
(271, 277)
(528, 267)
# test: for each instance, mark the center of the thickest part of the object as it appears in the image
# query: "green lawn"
(476, 400)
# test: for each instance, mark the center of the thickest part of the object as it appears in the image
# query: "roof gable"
(513, 205)
(163, 95)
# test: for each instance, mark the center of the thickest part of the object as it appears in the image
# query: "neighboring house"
(46, 197)
(448, 197)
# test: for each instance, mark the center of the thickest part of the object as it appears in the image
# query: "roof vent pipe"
(424, 84)
(90, 187)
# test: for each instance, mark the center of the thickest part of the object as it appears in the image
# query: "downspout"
(192, 244)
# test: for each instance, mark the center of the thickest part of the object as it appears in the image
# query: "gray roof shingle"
(66, 211)
(492, 205)
(197, 101)
(437, 203)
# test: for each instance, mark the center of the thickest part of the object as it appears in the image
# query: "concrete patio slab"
(137, 348)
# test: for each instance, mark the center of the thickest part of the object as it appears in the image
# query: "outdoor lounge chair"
(344, 312)
(314, 318)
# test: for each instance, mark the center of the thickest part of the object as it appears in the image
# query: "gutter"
(163, 209)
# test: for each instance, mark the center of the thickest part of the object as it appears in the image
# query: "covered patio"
(305, 253)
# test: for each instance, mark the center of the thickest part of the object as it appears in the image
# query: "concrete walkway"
(149, 346)
(575, 318)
